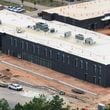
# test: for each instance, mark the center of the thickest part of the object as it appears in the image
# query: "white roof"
(106, 18)
(99, 52)
(83, 10)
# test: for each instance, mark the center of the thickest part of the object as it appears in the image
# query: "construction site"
(76, 93)
(58, 58)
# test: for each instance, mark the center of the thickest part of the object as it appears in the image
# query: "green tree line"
(40, 103)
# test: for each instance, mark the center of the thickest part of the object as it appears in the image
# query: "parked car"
(9, 8)
(17, 9)
(15, 86)
(20, 10)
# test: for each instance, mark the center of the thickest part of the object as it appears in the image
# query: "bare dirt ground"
(104, 31)
(41, 76)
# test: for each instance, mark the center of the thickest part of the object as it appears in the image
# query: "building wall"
(47, 16)
(57, 17)
(92, 23)
(0, 40)
(57, 60)
(107, 70)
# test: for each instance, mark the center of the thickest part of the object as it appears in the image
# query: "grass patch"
(29, 8)
(50, 3)
(6, 3)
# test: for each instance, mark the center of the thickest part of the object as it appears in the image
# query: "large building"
(62, 47)
(91, 15)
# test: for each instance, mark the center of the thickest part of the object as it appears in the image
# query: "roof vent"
(67, 34)
(19, 30)
(52, 30)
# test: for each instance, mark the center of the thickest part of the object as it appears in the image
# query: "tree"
(35, 2)
(22, 1)
(38, 1)
(51, 1)
(57, 103)
(18, 107)
(42, 103)
(4, 105)
(107, 107)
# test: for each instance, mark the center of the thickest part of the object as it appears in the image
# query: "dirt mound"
(5, 74)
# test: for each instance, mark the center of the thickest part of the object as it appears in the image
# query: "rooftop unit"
(67, 34)
(52, 30)
(88, 40)
(79, 36)
(31, 27)
(42, 26)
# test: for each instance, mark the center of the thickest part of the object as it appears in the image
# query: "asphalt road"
(13, 97)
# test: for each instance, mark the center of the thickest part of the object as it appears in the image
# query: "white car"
(15, 86)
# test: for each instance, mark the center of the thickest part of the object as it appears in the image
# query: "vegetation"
(53, 3)
(107, 107)
(4, 105)
(6, 3)
(35, 3)
(22, 1)
(40, 103)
